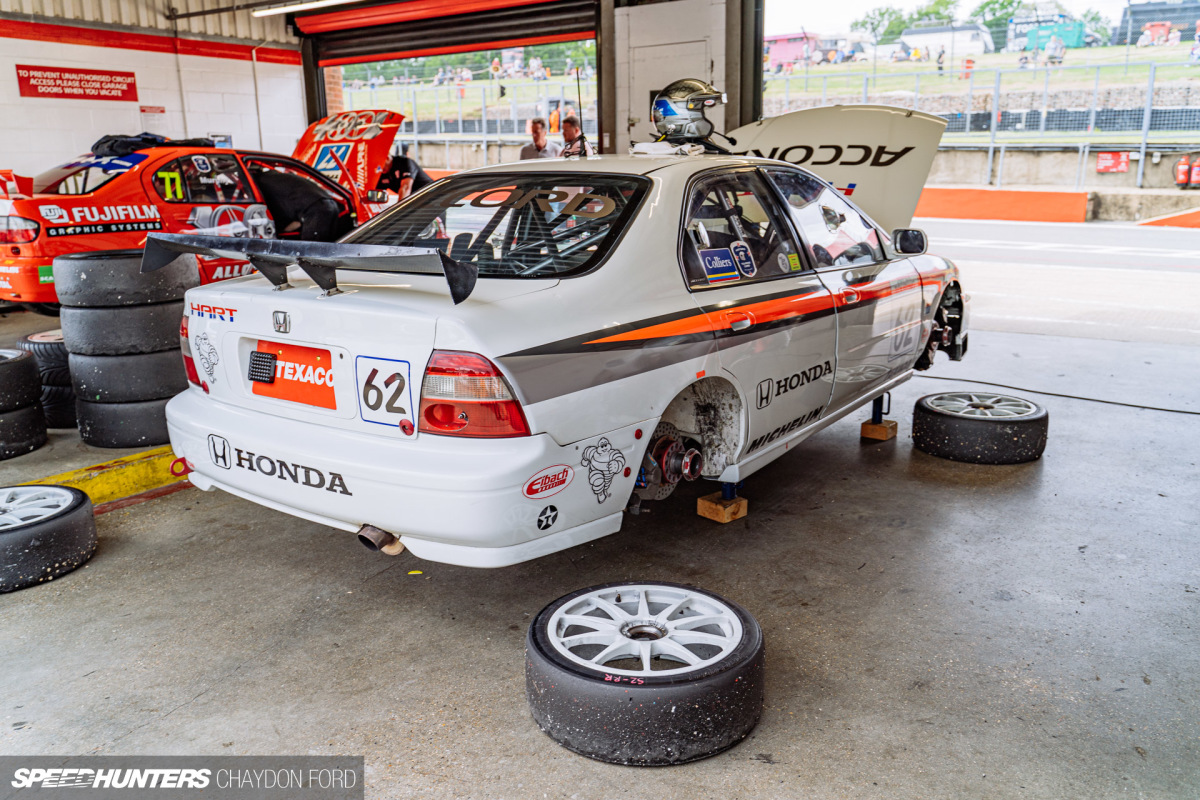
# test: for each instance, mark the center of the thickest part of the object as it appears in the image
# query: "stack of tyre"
(121, 329)
(22, 428)
(58, 398)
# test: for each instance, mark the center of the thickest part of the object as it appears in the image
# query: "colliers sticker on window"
(718, 265)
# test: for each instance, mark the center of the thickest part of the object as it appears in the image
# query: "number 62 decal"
(384, 390)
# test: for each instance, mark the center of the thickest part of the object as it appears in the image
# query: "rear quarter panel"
(570, 385)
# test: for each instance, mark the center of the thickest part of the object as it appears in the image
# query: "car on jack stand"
(619, 324)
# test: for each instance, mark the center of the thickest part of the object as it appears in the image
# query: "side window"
(732, 235)
(168, 182)
(835, 234)
(207, 178)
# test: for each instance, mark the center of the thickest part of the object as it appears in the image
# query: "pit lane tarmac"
(933, 629)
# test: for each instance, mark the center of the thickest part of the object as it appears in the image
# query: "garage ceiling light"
(290, 7)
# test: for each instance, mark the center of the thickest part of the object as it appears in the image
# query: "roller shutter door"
(389, 30)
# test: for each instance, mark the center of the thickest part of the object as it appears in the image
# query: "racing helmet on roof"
(678, 110)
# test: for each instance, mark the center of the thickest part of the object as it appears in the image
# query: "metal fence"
(1117, 103)
(477, 112)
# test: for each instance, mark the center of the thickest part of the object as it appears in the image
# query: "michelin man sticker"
(603, 462)
(743, 259)
(206, 354)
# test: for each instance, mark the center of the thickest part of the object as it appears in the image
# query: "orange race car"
(109, 201)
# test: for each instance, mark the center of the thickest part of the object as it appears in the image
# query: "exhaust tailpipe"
(380, 540)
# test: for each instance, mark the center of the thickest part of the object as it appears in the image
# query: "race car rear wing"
(319, 260)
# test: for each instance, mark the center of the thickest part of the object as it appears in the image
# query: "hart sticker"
(719, 265)
(743, 259)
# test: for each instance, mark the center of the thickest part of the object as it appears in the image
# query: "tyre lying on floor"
(980, 427)
(45, 532)
(121, 328)
(22, 427)
(58, 398)
(644, 674)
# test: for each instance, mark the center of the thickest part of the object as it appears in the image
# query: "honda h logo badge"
(283, 322)
(764, 393)
(218, 450)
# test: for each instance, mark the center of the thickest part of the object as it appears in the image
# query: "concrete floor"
(933, 629)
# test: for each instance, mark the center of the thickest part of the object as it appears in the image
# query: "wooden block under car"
(883, 431)
(711, 506)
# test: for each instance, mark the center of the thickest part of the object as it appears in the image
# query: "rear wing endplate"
(319, 260)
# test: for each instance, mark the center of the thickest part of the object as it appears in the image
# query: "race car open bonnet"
(678, 110)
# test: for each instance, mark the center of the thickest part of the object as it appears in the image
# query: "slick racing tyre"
(58, 407)
(122, 331)
(128, 379)
(114, 278)
(123, 424)
(20, 384)
(21, 431)
(980, 427)
(45, 532)
(51, 355)
(644, 674)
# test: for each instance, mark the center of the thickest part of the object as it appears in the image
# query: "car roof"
(623, 164)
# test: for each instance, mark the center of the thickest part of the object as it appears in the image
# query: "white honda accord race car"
(496, 368)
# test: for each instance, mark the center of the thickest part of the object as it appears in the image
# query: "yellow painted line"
(123, 477)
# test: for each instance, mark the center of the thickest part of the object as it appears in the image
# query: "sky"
(790, 16)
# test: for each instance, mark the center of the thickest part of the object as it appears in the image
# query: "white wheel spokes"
(641, 630)
(24, 505)
(981, 405)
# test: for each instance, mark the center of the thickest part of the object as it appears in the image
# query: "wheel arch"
(712, 411)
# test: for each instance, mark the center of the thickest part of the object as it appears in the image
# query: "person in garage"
(404, 176)
(541, 146)
(298, 204)
(574, 143)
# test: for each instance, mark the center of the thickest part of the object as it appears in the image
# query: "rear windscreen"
(85, 175)
(525, 225)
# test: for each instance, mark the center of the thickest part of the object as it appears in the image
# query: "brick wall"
(335, 99)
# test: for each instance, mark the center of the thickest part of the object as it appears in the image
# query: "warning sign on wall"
(1112, 162)
(76, 84)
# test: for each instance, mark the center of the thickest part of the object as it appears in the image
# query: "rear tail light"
(463, 394)
(189, 363)
(18, 230)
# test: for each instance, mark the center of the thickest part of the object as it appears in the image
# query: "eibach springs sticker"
(549, 481)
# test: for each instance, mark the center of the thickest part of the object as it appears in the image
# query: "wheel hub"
(643, 630)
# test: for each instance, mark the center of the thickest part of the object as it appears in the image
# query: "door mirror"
(909, 241)
(376, 196)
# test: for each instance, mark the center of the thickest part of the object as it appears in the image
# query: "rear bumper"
(27, 280)
(453, 500)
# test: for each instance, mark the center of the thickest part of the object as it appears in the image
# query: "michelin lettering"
(783, 430)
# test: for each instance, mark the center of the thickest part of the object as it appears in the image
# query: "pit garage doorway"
(390, 32)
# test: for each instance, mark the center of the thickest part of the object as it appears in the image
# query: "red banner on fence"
(76, 84)
(1112, 162)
